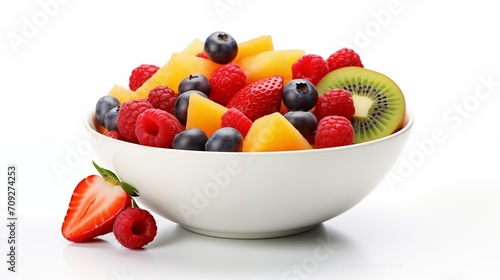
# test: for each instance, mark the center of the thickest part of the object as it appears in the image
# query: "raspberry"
(163, 98)
(157, 128)
(343, 58)
(135, 228)
(225, 82)
(334, 131)
(202, 55)
(311, 67)
(129, 111)
(236, 119)
(335, 102)
(115, 134)
(141, 74)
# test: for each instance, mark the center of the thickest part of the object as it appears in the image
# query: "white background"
(436, 217)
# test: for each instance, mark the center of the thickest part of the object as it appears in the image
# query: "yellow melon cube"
(194, 48)
(254, 46)
(179, 66)
(270, 63)
(204, 114)
(122, 94)
(274, 132)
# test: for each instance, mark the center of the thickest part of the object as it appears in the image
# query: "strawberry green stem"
(108, 175)
(134, 204)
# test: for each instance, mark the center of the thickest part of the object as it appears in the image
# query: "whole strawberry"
(259, 98)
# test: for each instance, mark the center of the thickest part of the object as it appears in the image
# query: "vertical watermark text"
(12, 227)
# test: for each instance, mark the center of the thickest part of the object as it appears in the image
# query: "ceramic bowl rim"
(89, 124)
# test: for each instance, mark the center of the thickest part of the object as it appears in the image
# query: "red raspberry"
(343, 58)
(236, 119)
(157, 128)
(129, 111)
(311, 67)
(225, 82)
(135, 228)
(163, 97)
(141, 74)
(334, 131)
(202, 55)
(115, 134)
(335, 102)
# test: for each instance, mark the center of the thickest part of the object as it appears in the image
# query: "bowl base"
(252, 235)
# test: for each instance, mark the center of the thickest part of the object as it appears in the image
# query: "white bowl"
(250, 195)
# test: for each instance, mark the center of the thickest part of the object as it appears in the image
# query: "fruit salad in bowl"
(242, 140)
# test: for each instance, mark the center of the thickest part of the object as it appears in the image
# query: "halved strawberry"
(94, 206)
(259, 98)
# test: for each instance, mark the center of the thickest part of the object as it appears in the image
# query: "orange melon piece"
(99, 128)
(122, 94)
(254, 46)
(274, 132)
(270, 63)
(204, 114)
(177, 68)
(194, 48)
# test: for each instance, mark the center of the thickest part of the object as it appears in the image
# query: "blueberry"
(220, 47)
(190, 139)
(226, 139)
(195, 82)
(182, 103)
(103, 105)
(300, 95)
(305, 122)
(111, 119)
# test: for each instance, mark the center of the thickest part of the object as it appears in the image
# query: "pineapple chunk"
(179, 66)
(122, 94)
(270, 63)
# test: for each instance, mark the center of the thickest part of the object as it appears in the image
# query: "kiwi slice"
(378, 101)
